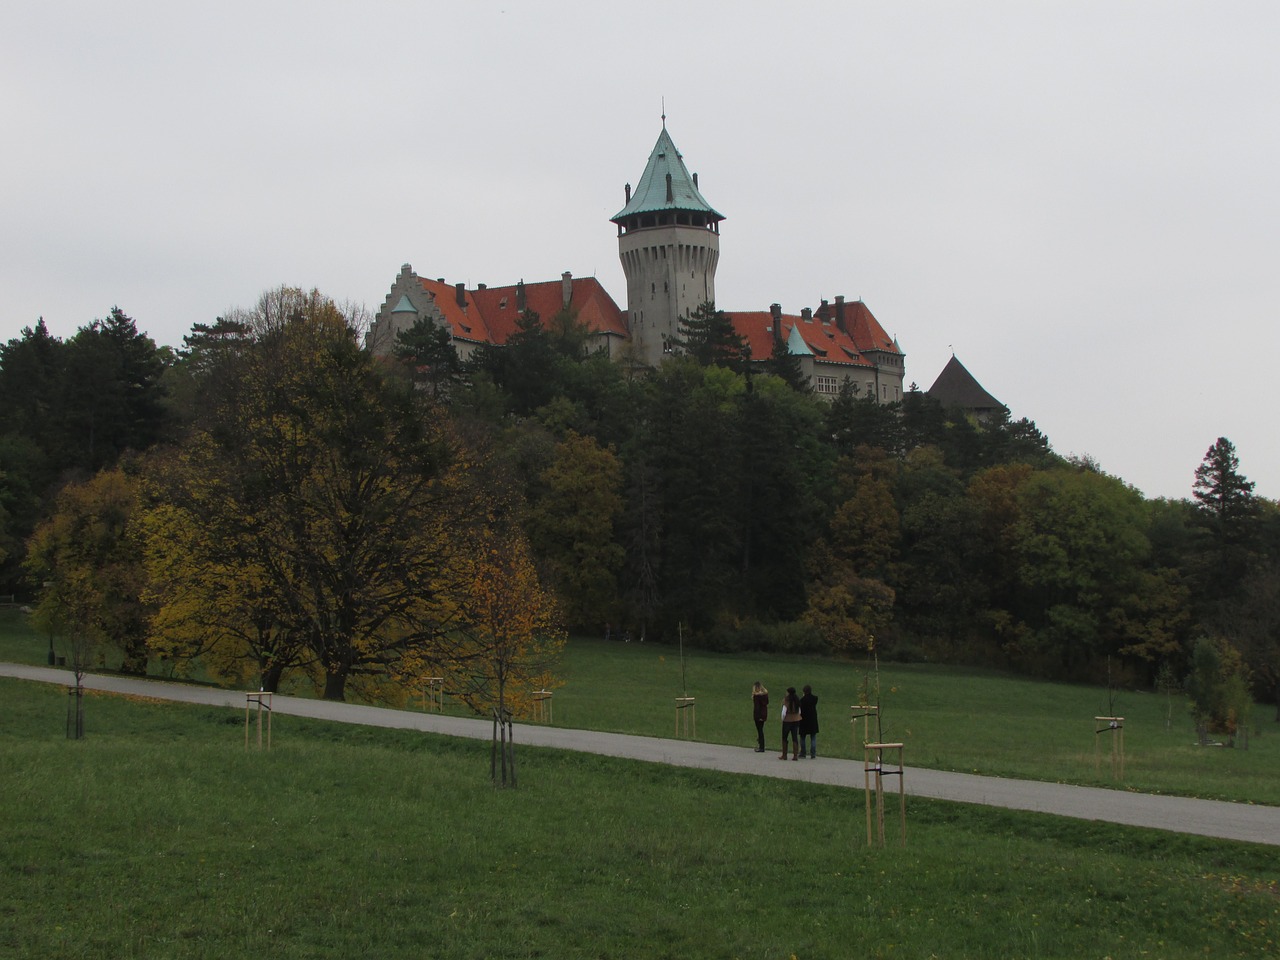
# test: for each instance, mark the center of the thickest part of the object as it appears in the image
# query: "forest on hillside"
(272, 498)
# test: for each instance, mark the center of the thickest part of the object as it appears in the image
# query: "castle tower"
(669, 244)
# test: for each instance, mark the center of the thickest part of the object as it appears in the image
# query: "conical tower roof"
(956, 387)
(653, 194)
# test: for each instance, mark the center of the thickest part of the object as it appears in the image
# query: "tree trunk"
(135, 658)
(272, 675)
(335, 684)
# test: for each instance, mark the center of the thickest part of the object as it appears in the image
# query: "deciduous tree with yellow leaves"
(506, 638)
(319, 506)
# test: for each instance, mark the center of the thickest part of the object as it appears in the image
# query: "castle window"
(827, 385)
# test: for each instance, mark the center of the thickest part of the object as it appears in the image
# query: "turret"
(669, 244)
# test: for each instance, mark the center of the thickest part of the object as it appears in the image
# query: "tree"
(1227, 510)
(862, 421)
(1253, 623)
(699, 474)
(427, 350)
(936, 578)
(504, 640)
(571, 527)
(525, 367)
(212, 599)
(1221, 490)
(785, 365)
(1218, 687)
(115, 397)
(708, 336)
(32, 388)
(89, 555)
(849, 601)
(329, 495)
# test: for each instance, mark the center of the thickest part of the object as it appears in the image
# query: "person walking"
(759, 712)
(791, 724)
(809, 724)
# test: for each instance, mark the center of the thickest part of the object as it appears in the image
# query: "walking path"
(1209, 818)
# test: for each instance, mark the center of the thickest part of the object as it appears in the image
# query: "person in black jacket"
(809, 724)
(759, 712)
(790, 724)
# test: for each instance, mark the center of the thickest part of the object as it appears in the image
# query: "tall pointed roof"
(956, 387)
(651, 194)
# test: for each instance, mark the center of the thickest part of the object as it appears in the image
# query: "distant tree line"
(713, 495)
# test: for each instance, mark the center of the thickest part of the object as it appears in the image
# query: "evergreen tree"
(427, 350)
(855, 420)
(1224, 495)
(707, 335)
(1227, 511)
(524, 368)
(115, 398)
(786, 366)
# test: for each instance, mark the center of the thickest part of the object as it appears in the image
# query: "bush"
(756, 637)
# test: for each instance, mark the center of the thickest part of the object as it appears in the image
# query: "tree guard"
(686, 717)
(1114, 725)
(262, 701)
(875, 768)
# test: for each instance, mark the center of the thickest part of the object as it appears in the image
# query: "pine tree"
(707, 335)
(1224, 495)
(1227, 510)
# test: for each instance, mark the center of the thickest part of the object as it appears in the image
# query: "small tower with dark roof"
(956, 388)
(669, 244)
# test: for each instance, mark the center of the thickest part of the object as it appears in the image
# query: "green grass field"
(948, 718)
(158, 836)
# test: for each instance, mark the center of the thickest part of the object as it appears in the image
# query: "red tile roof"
(490, 315)
(824, 337)
(864, 329)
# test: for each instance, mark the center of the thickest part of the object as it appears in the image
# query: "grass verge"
(949, 718)
(158, 836)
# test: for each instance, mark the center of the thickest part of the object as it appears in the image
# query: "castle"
(669, 245)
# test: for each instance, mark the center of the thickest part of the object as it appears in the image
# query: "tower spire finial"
(664, 113)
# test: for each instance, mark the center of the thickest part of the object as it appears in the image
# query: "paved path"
(1209, 818)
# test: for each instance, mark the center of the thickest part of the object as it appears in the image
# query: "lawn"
(158, 836)
(949, 718)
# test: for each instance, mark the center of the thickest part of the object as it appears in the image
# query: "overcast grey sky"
(1079, 198)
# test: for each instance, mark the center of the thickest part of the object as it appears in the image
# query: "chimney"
(840, 314)
(566, 288)
(775, 312)
(520, 303)
(806, 313)
(461, 293)
(695, 181)
(670, 196)
(628, 194)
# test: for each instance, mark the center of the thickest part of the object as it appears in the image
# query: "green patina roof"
(404, 306)
(796, 344)
(650, 194)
